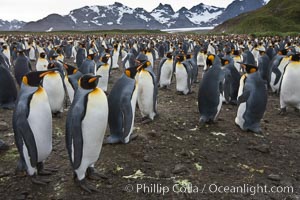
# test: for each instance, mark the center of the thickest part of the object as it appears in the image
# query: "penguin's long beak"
(94, 78)
(45, 73)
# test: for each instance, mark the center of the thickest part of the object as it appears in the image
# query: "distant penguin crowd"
(43, 76)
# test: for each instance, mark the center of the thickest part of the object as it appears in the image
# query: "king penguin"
(103, 69)
(290, 85)
(122, 102)
(183, 75)
(8, 90)
(211, 90)
(85, 128)
(71, 80)
(252, 100)
(165, 71)
(147, 91)
(115, 56)
(32, 125)
(54, 86)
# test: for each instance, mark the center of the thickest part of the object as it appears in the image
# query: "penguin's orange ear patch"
(252, 70)
(25, 80)
(148, 63)
(127, 72)
(226, 62)
(211, 57)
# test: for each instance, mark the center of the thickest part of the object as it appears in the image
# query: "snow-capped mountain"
(11, 25)
(238, 7)
(119, 16)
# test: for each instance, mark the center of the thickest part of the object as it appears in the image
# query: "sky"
(32, 10)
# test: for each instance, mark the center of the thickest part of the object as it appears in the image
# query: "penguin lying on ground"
(85, 128)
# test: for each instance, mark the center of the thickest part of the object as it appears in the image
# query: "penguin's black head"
(70, 69)
(88, 81)
(42, 55)
(143, 65)
(169, 55)
(296, 57)
(34, 78)
(188, 56)
(224, 61)
(210, 59)
(131, 72)
(180, 57)
(249, 68)
(105, 58)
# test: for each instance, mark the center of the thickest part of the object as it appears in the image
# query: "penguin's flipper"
(74, 133)
(277, 72)
(227, 87)
(243, 98)
(24, 133)
(155, 85)
(163, 60)
(127, 118)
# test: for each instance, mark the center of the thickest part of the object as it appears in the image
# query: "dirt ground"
(174, 158)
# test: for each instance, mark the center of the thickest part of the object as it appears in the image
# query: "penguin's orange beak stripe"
(92, 79)
(139, 67)
(45, 73)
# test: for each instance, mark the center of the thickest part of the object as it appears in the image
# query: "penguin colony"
(235, 71)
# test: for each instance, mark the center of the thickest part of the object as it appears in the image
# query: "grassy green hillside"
(276, 16)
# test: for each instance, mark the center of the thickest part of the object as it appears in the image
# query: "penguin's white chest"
(40, 122)
(200, 59)
(53, 85)
(145, 93)
(94, 126)
(150, 58)
(166, 73)
(290, 86)
(103, 80)
(282, 65)
(70, 89)
(181, 78)
(115, 59)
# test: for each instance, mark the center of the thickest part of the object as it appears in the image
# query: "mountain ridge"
(120, 16)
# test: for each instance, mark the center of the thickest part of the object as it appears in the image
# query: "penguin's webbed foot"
(83, 184)
(146, 120)
(112, 140)
(94, 175)
(36, 180)
(57, 115)
(282, 111)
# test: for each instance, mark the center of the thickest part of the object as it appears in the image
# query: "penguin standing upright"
(147, 91)
(122, 102)
(71, 80)
(290, 85)
(165, 71)
(278, 65)
(115, 58)
(22, 66)
(32, 125)
(8, 90)
(210, 90)
(231, 80)
(252, 100)
(42, 62)
(88, 65)
(103, 69)
(183, 75)
(85, 129)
